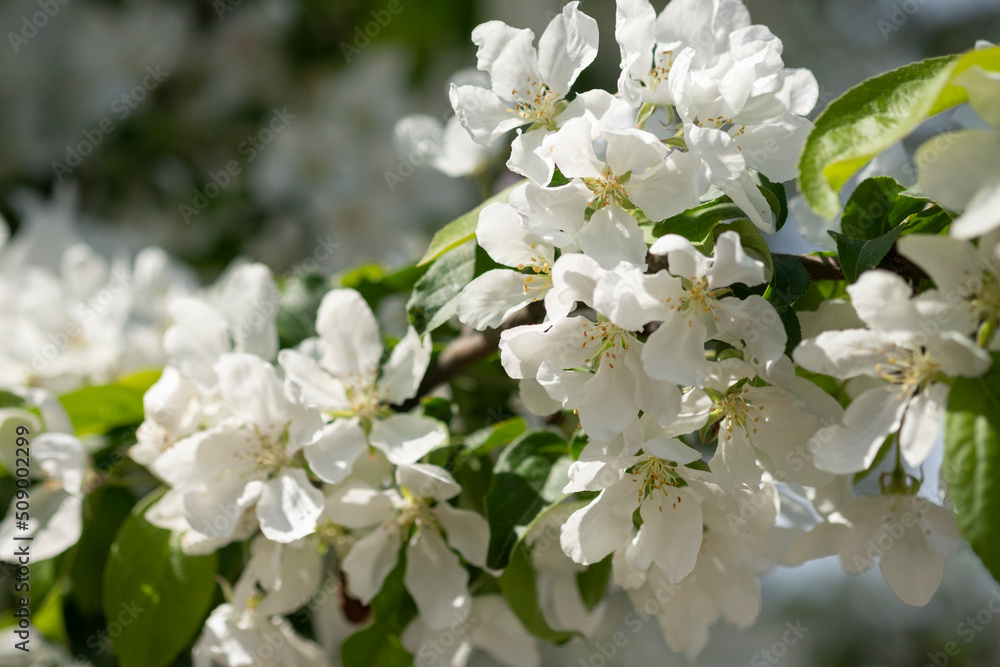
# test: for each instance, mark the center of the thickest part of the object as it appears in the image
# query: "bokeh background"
(117, 117)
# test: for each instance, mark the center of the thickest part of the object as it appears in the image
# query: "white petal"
(669, 188)
(407, 438)
(467, 532)
(289, 507)
(484, 115)
(251, 386)
(527, 158)
(491, 298)
(675, 352)
(348, 327)
(370, 561)
(356, 505)
(593, 532)
(852, 446)
(572, 148)
(672, 524)
(55, 523)
(427, 481)
(567, 46)
(402, 374)
(318, 387)
(508, 55)
(612, 236)
(436, 580)
(332, 454)
(731, 264)
(922, 423)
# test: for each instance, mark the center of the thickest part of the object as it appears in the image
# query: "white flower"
(237, 314)
(248, 459)
(55, 519)
(339, 373)
(658, 484)
(900, 349)
(636, 170)
(528, 86)
(448, 148)
(592, 367)
(752, 419)
(235, 637)
(910, 537)
(721, 584)
(961, 271)
(491, 627)
(649, 43)
(689, 301)
(434, 574)
(497, 294)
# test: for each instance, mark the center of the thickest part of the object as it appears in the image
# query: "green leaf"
(972, 461)
(374, 283)
(696, 224)
(392, 609)
(517, 584)
(462, 229)
(933, 220)
(156, 593)
(593, 582)
(9, 400)
(789, 281)
(857, 256)
(500, 434)
(99, 409)
(875, 207)
(435, 295)
(518, 490)
(876, 114)
(776, 198)
(104, 512)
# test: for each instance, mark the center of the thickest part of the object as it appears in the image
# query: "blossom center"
(660, 71)
(536, 102)
(607, 340)
(909, 370)
(655, 474)
(737, 412)
(608, 188)
(540, 281)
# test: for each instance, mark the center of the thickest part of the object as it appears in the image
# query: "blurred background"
(226, 128)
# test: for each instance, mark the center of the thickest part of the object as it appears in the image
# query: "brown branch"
(468, 349)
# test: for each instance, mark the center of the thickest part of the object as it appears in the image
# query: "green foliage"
(496, 435)
(593, 582)
(462, 229)
(520, 489)
(156, 593)
(972, 461)
(789, 281)
(858, 256)
(876, 114)
(392, 609)
(517, 584)
(436, 293)
(876, 207)
(99, 409)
